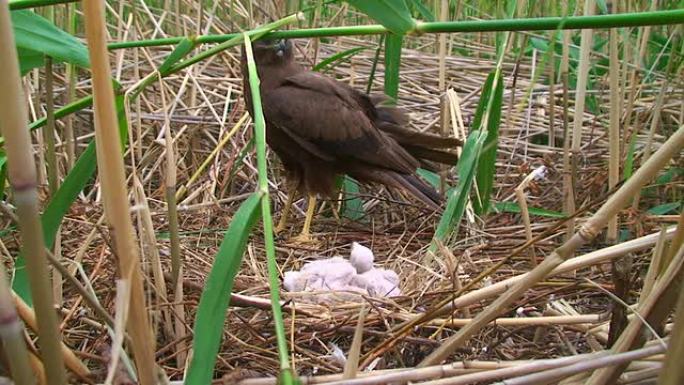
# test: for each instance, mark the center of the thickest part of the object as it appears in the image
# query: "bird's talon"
(278, 230)
(304, 239)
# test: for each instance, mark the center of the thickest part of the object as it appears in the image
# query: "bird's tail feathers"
(423, 146)
(431, 155)
(418, 189)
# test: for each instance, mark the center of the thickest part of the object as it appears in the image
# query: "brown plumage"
(321, 128)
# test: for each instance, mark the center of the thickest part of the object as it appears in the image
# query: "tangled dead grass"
(207, 103)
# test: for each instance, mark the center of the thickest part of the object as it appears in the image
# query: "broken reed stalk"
(115, 197)
(522, 202)
(620, 267)
(444, 116)
(484, 293)
(587, 232)
(655, 308)
(21, 169)
(49, 129)
(461, 372)
(351, 367)
(49, 134)
(655, 122)
(614, 127)
(633, 336)
(71, 75)
(673, 372)
(554, 375)
(567, 177)
(12, 333)
(525, 321)
(578, 118)
(654, 268)
(27, 315)
(459, 300)
(172, 214)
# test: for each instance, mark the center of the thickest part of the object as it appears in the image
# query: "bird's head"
(273, 51)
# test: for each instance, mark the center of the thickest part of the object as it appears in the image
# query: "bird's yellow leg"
(305, 235)
(286, 212)
(336, 212)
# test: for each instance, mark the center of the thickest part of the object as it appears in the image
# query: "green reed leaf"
(211, 311)
(35, 36)
(392, 14)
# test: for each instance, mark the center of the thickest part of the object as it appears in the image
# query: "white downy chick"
(379, 282)
(361, 258)
(330, 274)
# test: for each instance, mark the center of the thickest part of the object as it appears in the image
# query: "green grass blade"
(602, 6)
(211, 311)
(182, 49)
(374, 64)
(486, 169)
(665, 208)
(340, 57)
(79, 176)
(29, 59)
(629, 161)
(62, 112)
(512, 207)
(75, 181)
(484, 99)
(35, 33)
(669, 175)
(393, 14)
(392, 63)
(248, 147)
(271, 263)
(467, 166)
(430, 177)
(424, 11)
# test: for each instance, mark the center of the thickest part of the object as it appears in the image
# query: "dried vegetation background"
(205, 104)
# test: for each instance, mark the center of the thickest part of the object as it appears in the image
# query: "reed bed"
(198, 114)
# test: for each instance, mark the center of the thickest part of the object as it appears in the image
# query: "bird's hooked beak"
(280, 46)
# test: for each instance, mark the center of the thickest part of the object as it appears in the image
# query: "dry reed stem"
(352, 365)
(614, 128)
(21, 170)
(580, 98)
(587, 232)
(28, 316)
(630, 335)
(654, 268)
(113, 183)
(12, 334)
(526, 321)
(554, 375)
(122, 308)
(522, 201)
(179, 332)
(673, 372)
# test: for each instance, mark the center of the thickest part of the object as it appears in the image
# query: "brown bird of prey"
(321, 128)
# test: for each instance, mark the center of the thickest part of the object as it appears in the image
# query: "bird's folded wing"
(326, 118)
